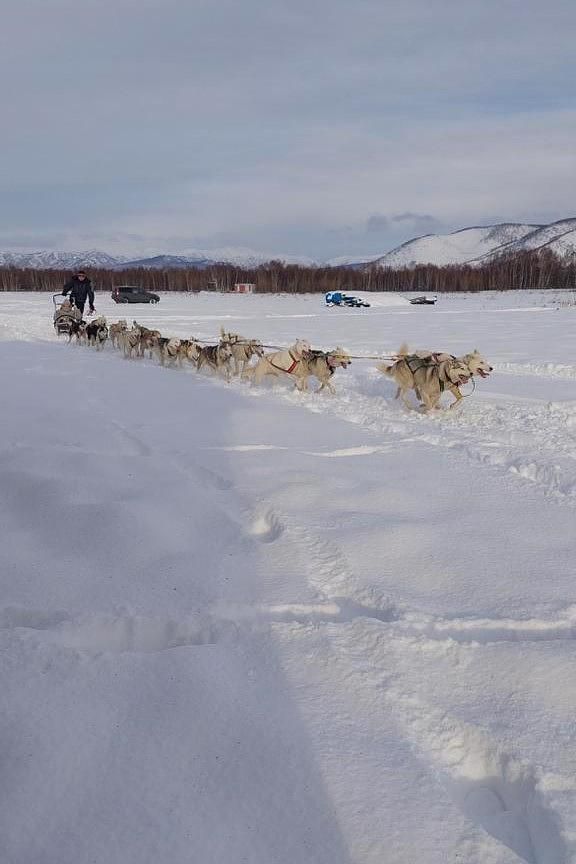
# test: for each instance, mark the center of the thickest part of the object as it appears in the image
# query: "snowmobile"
(337, 298)
(425, 300)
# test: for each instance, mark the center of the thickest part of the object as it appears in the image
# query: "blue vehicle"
(338, 298)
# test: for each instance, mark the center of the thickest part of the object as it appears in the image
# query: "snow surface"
(249, 625)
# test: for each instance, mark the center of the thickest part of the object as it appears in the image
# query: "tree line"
(541, 269)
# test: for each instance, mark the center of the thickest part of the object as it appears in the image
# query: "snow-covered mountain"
(243, 257)
(48, 260)
(164, 262)
(352, 260)
(459, 247)
(559, 237)
(479, 245)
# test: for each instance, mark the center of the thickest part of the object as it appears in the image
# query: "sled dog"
(280, 363)
(321, 365)
(147, 339)
(97, 332)
(474, 362)
(188, 350)
(115, 332)
(77, 331)
(429, 376)
(217, 357)
(130, 341)
(242, 352)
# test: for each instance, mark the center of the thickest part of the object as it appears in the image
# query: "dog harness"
(292, 366)
(421, 364)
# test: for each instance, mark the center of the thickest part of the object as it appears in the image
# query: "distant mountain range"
(190, 258)
(475, 246)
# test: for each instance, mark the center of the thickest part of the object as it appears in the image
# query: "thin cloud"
(417, 221)
(377, 223)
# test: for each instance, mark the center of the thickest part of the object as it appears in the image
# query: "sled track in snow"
(535, 443)
(495, 790)
(118, 633)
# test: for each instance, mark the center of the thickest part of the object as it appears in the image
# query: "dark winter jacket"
(80, 290)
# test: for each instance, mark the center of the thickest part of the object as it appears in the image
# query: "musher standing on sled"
(80, 287)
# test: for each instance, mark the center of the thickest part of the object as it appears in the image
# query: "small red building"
(244, 287)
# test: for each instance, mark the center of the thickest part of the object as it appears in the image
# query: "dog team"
(426, 373)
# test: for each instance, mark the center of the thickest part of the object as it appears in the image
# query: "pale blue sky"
(317, 128)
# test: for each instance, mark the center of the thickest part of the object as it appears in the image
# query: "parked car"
(133, 294)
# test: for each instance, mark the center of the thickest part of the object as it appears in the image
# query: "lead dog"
(477, 364)
(429, 376)
(474, 362)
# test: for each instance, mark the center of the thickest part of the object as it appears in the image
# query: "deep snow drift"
(244, 624)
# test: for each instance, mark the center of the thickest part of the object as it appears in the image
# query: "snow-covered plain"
(249, 625)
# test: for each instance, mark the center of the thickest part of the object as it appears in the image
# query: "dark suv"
(133, 294)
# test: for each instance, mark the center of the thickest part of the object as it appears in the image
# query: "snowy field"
(245, 624)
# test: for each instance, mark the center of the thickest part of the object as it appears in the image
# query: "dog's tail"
(402, 352)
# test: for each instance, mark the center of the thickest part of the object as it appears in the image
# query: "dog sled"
(337, 298)
(65, 314)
